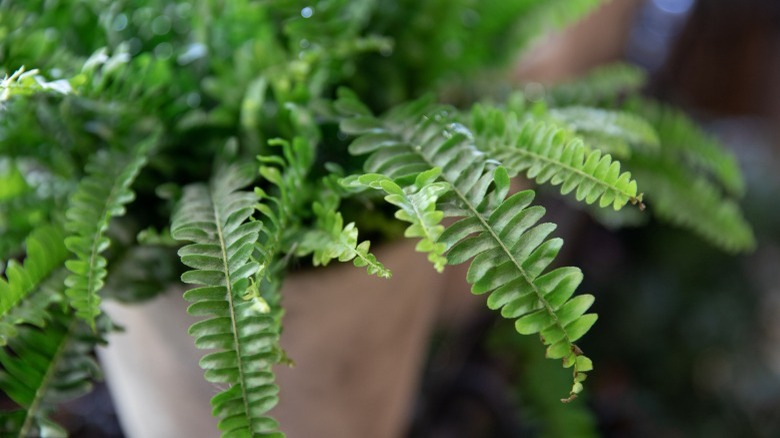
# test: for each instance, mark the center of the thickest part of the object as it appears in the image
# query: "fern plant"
(251, 137)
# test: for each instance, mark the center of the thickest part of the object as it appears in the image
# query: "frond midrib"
(233, 314)
(94, 249)
(522, 151)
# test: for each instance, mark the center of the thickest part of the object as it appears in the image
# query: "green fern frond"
(681, 137)
(216, 218)
(45, 253)
(41, 368)
(100, 196)
(601, 85)
(548, 154)
(509, 254)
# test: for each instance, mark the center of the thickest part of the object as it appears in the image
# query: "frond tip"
(509, 252)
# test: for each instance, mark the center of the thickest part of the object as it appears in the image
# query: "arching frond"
(100, 196)
(216, 217)
(509, 251)
(45, 254)
(43, 367)
(549, 154)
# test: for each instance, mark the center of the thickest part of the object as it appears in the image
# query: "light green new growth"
(331, 239)
(417, 205)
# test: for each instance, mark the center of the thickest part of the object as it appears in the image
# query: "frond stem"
(229, 287)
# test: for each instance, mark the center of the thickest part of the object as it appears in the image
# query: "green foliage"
(613, 132)
(331, 239)
(43, 367)
(216, 219)
(144, 97)
(681, 137)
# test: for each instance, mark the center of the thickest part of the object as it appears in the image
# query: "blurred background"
(688, 340)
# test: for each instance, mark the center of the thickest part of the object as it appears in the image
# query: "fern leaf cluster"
(614, 132)
(509, 251)
(143, 98)
(216, 219)
(689, 178)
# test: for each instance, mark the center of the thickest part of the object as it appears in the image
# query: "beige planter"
(357, 341)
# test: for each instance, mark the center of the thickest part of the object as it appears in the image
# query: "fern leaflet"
(101, 195)
(216, 218)
(331, 239)
(508, 252)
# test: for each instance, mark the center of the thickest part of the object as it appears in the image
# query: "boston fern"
(242, 137)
